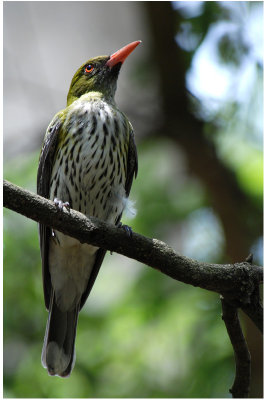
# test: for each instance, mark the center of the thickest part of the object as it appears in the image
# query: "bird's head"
(99, 74)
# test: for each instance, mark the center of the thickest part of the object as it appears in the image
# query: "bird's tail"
(58, 354)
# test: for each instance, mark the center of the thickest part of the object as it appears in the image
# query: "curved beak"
(122, 54)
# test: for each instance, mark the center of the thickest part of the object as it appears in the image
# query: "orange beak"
(122, 54)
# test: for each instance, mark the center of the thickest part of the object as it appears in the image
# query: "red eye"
(89, 68)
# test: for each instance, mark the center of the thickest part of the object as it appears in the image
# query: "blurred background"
(193, 92)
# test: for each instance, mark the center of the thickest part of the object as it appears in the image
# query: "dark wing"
(43, 187)
(132, 167)
(100, 254)
(132, 164)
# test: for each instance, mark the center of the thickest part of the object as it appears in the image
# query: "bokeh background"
(193, 92)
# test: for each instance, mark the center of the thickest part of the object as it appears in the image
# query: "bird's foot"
(60, 204)
(126, 229)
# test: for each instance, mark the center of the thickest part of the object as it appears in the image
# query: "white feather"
(129, 208)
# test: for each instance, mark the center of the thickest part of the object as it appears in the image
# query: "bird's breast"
(91, 161)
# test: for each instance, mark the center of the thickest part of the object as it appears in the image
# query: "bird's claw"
(126, 229)
(60, 204)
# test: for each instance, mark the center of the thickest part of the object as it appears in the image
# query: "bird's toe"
(126, 229)
(61, 204)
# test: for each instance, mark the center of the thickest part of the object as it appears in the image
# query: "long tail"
(58, 350)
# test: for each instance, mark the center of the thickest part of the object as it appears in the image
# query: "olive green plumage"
(88, 159)
(99, 81)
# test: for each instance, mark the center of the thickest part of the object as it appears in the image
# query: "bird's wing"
(100, 254)
(132, 163)
(43, 188)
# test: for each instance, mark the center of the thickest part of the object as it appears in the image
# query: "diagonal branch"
(238, 282)
(240, 388)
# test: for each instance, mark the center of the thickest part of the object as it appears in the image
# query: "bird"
(87, 162)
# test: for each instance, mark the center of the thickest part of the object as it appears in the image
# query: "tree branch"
(240, 388)
(237, 282)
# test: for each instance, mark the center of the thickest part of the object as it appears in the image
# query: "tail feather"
(58, 349)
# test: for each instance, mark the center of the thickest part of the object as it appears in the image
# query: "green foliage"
(164, 195)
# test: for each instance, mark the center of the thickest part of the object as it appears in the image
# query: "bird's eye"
(88, 69)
